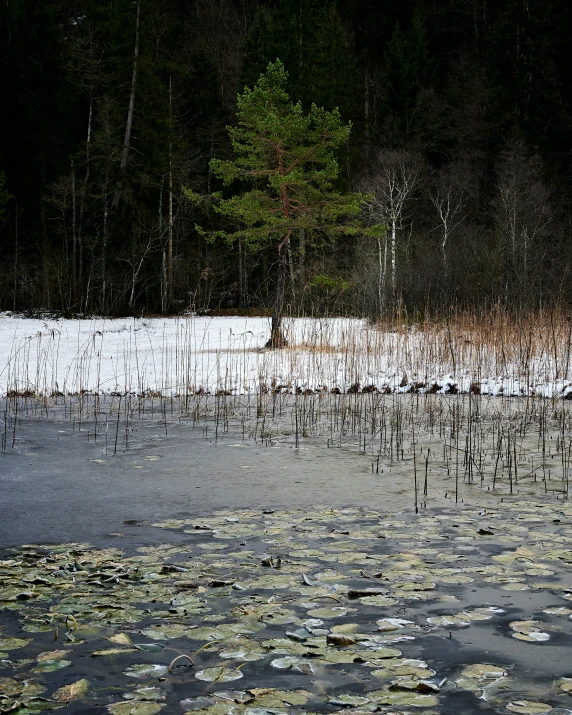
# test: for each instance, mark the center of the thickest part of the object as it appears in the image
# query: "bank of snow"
(175, 356)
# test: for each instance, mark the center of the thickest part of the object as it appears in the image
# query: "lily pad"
(292, 663)
(333, 612)
(149, 693)
(348, 700)
(13, 643)
(135, 708)
(219, 674)
(49, 666)
(71, 691)
(145, 670)
(528, 707)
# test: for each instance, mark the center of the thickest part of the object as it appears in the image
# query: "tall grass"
(462, 402)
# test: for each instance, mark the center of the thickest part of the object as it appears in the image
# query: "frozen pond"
(274, 553)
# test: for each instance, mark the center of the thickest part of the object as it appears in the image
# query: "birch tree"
(523, 214)
(392, 186)
(448, 195)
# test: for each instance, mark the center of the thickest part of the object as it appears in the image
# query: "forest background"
(461, 115)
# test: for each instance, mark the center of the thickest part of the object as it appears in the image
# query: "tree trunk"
(380, 278)
(104, 246)
(170, 203)
(16, 228)
(82, 202)
(45, 243)
(366, 111)
(164, 282)
(302, 257)
(393, 257)
(240, 286)
(292, 276)
(74, 238)
(276, 335)
(130, 111)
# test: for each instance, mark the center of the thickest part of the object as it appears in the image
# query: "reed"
(470, 401)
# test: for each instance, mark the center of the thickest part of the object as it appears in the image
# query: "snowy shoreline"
(174, 356)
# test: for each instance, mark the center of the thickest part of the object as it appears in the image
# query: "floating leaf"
(135, 708)
(120, 638)
(392, 624)
(51, 655)
(13, 643)
(333, 612)
(408, 699)
(237, 696)
(49, 666)
(71, 691)
(346, 700)
(528, 631)
(9, 686)
(528, 707)
(380, 601)
(150, 693)
(112, 651)
(145, 670)
(292, 663)
(219, 674)
(200, 703)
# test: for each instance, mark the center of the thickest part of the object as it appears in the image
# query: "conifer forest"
(445, 178)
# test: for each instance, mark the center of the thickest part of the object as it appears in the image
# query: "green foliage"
(333, 285)
(407, 69)
(287, 160)
(316, 49)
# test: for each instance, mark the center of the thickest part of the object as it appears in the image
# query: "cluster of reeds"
(466, 401)
(489, 353)
(440, 443)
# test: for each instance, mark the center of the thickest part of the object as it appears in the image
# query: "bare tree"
(144, 240)
(448, 194)
(522, 214)
(392, 187)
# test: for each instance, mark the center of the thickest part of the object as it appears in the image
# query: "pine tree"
(288, 160)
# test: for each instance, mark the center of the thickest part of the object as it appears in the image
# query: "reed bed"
(436, 446)
(493, 353)
(462, 403)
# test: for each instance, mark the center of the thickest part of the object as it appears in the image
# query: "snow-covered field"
(176, 356)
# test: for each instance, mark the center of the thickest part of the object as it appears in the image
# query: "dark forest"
(461, 140)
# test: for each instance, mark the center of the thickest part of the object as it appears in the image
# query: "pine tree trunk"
(302, 257)
(276, 335)
(240, 286)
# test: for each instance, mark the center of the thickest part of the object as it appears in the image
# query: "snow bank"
(177, 356)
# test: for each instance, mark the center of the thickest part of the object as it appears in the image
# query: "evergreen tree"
(407, 70)
(316, 49)
(288, 160)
